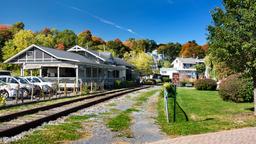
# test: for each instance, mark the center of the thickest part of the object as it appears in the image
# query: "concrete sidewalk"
(238, 136)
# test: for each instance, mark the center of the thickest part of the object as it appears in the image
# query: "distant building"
(184, 66)
(156, 57)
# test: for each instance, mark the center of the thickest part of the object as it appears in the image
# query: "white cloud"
(100, 19)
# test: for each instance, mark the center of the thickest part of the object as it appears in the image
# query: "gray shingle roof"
(67, 55)
(122, 62)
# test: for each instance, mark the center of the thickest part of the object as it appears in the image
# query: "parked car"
(40, 81)
(6, 90)
(42, 85)
(25, 87)
(5, 73)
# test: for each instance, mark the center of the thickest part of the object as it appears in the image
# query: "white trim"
(83, 49)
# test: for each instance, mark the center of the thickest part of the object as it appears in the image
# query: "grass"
(52, 134)
(207, 112)
(144, 97)
(121, 123)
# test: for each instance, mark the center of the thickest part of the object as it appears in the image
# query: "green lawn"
(207, 112)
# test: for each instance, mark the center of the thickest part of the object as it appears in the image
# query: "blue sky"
(161, 20)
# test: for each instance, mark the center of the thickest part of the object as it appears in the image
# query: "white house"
(184, 66)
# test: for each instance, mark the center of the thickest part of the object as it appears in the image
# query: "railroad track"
(15, 123)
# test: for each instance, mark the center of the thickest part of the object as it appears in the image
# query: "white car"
(45, 86)
(25, 87)
(6, 90)
(39, 81)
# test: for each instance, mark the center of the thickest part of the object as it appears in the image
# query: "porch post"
(58, 74)
(40, 72)
(76, 76)
(22, 70)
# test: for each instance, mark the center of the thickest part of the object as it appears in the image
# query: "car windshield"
(42, 79)
(21, 80)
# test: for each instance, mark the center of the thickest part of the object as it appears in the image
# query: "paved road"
(238, 136)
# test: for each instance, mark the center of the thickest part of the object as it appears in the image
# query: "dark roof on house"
(67, 55)
(122, 62)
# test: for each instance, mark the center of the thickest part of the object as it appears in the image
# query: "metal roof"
(122, 62)
(67, 55)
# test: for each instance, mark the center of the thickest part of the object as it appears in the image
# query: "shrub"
(205, 84)
(85, 89)
(236, 88)
(166, 79)
(149, 82)
(170, 88)
(117, 84)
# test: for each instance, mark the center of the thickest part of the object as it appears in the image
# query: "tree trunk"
(254, 94)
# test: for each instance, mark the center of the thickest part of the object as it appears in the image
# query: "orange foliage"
(60, 46)
(192, 49)
(128, 44)
(98, 40)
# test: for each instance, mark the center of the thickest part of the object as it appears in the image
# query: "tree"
(167, 64)
(200, 69)
(44, 40)
(67, 38)
(5, 35)
(117, 47)
(20, 41)
(85, 39)
(232, 37)
(17, 27)
(145, 45)
(192, 49)
(142, 61)
(170, 50)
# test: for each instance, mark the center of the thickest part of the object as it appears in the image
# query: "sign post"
(175, 80)
(166, 105)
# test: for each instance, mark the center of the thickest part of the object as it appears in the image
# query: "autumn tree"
(144, 45)
(192, 49)
(117, 47)
(232, 38)
(85, 39)
(67, 37)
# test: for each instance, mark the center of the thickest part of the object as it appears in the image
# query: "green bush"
(117, 84)
(205, 84)
(149, 82)
(166, 79)
(236, 88)
(170, 88)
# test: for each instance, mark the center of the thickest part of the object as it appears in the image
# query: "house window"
(30, 54)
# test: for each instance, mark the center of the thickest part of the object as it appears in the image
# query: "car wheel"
(25, 93)
(4, 93)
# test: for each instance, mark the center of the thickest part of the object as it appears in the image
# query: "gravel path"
(144, 129)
